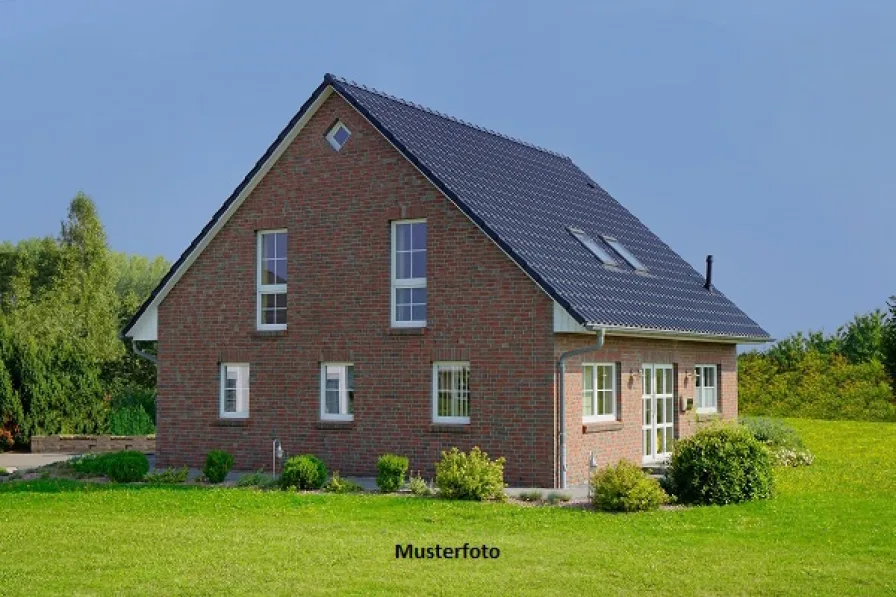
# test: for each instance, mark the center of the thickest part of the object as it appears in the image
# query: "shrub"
(531, 496)
(6, 440)
(391, 470)
(130, 420)
(125, 467)
(624, 487)
(169, 476)
(418, 486)
(3, 472)
(256, 479)
(135, 396)
(461, 476)
(303, 472)
(792, 458)
(217, 464)
(337, 484)
(722, 464)
(556, 497)
(772, 432)
(89, 464)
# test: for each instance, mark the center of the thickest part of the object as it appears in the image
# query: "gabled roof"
(525, 199)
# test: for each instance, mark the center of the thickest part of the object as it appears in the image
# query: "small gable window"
(592, 246)
(338, 135)
(625, 253)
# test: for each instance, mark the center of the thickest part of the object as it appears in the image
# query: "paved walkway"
(18, 461)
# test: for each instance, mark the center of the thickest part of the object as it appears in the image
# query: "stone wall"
(82, 444)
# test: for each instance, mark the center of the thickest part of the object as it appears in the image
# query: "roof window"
(592, 246)
(625, 253)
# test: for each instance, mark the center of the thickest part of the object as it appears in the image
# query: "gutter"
(143, 355)
(561, 365)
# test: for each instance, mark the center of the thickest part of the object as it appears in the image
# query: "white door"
(657, 399)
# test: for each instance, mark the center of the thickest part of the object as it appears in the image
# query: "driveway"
(13, 461)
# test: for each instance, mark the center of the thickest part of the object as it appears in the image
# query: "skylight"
(625, 253)
(592, 246)
(338, 135)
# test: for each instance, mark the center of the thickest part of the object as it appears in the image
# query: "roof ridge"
(445, 116)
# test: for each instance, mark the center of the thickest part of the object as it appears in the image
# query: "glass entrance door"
(657, 400)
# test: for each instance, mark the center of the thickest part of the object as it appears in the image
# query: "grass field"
(830, 531)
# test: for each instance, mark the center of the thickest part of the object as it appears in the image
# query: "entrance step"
(657, 471)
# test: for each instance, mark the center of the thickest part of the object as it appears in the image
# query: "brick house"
(390, 279)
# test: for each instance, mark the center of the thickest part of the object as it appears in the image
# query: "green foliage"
(6, 441)
(3, 472)
(130, 421)
(62, 302)
(391, 470)
(124, 467)
(531, 496)
(337, 484)
(772, 432)
(256, 479)
(888, 341)
(134, 396)
(819, 386)
(721, 464)
(624, 487)
(419, 486)
(557, 497)
(461, 476)
(170, 476)
(303, 472)
(217, 464)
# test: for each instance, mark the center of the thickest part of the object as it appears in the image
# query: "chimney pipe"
(708, 284)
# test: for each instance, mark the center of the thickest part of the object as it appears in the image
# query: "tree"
(861, 340)
(889, 341)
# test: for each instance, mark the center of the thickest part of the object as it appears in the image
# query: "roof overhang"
(632, 332)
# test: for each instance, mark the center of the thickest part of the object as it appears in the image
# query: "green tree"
(889, 341)
(861, 340)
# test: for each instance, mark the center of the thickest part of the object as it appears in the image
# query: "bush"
(460, 476)
(169, 476)
(722, 464)
(89, 464)
(135, 397)
(792, 458)
(419, 487)
(256, 479)
(3, 472)
(531, 496)
(624, 487)
(337, 484)
(391, 470)
(303, 472)
(556, 497)
(6, 440)
(130, 420)
(772, 432)
(217, 464)
(125, 467)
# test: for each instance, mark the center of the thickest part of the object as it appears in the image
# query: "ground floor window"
(707, 388)
(234, 402)
(599, 392)
(451, 392)
(337, 391)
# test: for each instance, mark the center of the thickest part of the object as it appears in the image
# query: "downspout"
(143, 355)
(561, 364)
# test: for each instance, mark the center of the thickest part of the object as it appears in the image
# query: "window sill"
(231, 423)
(268, 333)
(710, 416)
(449, 428)
(335, 425)
(601, 426)
(407, 331)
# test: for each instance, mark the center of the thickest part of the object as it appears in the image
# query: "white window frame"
(331, 135)
(263, 289)
(613, 393)
(700, 391)
(625, 253)
(435, 393)
(343, 415)
(406, 282)
(242, 376)
(589, 243)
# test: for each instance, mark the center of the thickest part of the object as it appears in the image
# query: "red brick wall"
(612, 445)
(337, 208)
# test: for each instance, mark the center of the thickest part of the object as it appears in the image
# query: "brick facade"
(613, 442)
(337, 209)
(482, 308)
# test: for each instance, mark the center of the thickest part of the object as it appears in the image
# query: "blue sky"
(762, 132)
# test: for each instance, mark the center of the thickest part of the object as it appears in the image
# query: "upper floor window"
(337, 392)
(338, 135)
(234, 399)
(409, 273)
(451, 392)
(707, 388)
(271, 280)
(599, 392)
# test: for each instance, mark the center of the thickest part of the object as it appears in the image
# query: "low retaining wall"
(82, 444)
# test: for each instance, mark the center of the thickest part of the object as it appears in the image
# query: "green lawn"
(830, 531)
